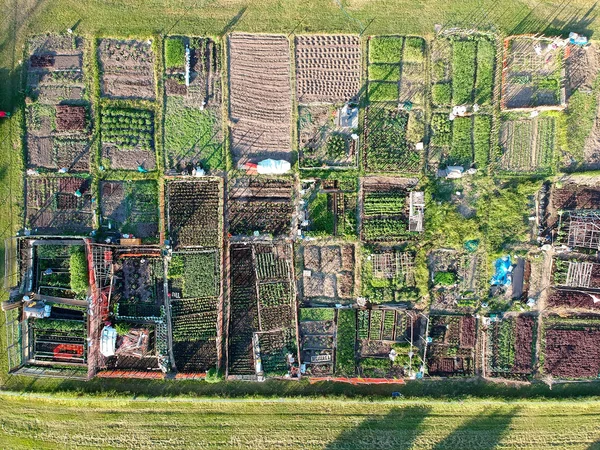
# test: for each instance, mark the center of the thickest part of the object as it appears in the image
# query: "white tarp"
(108, 341)
(273, 167)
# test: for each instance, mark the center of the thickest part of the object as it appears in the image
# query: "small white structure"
(108, 341)
(452, 172)
(416, 211)
(347, 117)
(273, 167)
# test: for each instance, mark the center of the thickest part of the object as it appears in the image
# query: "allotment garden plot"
(193, 134)
(510, 346)
(329, 206)
(130, 207)
(452, 348)
(385, 213)
(57, 109)
(462, 70)
(388, 276)
(195, 212)
(127, 138)
(58, 204)
(328, 275)
(464, 141)
(328, 71)
(528, 144)
(389, 343)
(138, 312)
(570, 347)
(260, 97)
(395, 120)
(533, 73)
(126, 69)
(262, 322)
(195, 298)
(317, 327)
(263, 205)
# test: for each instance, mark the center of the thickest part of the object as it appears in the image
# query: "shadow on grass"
(398, 430)
(482, 432)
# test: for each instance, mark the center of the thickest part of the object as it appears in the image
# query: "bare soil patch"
(127, 69)
(327, 68)
(260, 97)
(128, 159)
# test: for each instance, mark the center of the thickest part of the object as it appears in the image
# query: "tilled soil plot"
(53, 206)
(126, 69)
(260, 97)
(571, 196)
(332, 273)
(582, 67)
(128, 159)
(571, 300)
(263, 205)
(572, 353)
(327, 68)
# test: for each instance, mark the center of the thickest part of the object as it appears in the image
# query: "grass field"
(53, 422)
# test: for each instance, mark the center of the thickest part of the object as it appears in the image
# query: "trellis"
(584, 230)
(579, 274)
(391, 264)
(416, 211)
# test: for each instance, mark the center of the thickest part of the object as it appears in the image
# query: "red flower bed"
(572, 353)
(523, 344)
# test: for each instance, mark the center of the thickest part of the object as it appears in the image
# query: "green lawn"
(52, 422)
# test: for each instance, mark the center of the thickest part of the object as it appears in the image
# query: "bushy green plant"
(174, 53)
(482, 127)
(68, 326)
(346, 340)
(385, 49)
(384, 72)
(214, 376)
(445, 278)
(122, 328)
(78, 270)
(441, 130)
(336, 146)
(461, 152)
(413, 49)
(484, 80)
(383, 92)
(320, 215)
(441, 93)
(463, 71)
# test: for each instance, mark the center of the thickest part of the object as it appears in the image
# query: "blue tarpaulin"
(502, 277)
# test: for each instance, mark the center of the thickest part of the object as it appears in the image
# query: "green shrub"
(580, 117)
(463, 71)
(122, 328)
(413, 49)
(461, 152)
(384, 72)
(482, 127)
(484, 81)
(175, 267)
(78, 270)
(174, 53)
(316, 314)
(385, 49)
(445, 278)
(383, 92)
(336, 146)
(548, 83)
(441, 93)
(320, 215)
(68, 326)
(346, 340)
(214, 376)
(441, 129)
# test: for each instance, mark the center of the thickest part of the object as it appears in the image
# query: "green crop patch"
(463, 71)
(383, 92)
(384, 72)
(385, 49)
(128, 128)
(174, 53)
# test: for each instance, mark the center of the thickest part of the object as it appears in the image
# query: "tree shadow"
(234, 21)
(483, 432)
(397, 430)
